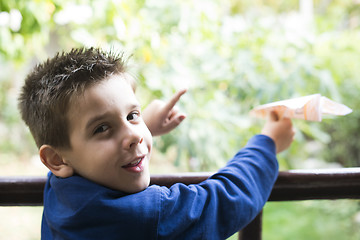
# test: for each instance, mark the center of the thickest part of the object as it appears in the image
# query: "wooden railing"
(290, 186)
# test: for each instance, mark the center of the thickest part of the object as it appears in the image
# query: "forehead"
(117, 82)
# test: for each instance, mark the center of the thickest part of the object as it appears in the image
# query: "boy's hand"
(161, 117)
(280, 130)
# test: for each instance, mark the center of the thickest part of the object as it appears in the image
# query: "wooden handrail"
(290, 185)
(21, 191)
(343, 183)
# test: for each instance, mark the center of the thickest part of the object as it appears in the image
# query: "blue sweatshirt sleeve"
(224, 203)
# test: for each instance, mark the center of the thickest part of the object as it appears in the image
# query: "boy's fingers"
(169, 105)
(174, 122)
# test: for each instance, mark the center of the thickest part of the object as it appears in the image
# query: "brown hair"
(49, 88)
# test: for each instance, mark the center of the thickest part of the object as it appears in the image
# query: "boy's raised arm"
(162, 117)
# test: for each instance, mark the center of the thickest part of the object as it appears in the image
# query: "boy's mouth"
(136, 165)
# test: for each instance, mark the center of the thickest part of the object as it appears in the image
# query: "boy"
(82, 111)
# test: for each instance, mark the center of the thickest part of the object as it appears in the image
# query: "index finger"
(171, 103)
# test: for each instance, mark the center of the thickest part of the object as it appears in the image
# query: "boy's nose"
(131, 139)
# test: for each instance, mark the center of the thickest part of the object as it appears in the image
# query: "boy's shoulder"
(77, 203)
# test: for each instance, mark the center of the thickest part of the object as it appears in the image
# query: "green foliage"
(231, 55)
(323, 220)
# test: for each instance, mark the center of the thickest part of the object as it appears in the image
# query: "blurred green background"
(232, 55)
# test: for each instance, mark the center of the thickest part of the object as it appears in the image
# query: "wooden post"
(253, 230)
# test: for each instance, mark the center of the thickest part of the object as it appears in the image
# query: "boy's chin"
(141, 189)
(136, 188)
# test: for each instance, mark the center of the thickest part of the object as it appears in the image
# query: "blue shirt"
(76, 208)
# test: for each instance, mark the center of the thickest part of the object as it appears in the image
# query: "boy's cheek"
(147, 134)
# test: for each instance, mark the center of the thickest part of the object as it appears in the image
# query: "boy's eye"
(101, 129)
(133, 116)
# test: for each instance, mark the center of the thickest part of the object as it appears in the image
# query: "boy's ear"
(54, 161)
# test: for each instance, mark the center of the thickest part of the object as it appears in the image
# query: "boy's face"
(110, 143)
